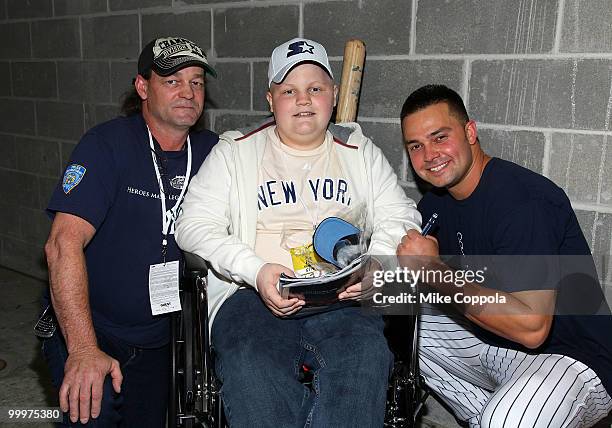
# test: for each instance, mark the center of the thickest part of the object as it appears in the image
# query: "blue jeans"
(144, 391)
(259, 357)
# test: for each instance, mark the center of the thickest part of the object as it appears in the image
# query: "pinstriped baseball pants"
(494, 387)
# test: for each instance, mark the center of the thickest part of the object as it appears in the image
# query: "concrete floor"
(25, 381)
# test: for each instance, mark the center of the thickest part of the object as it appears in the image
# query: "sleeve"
(89, 182)
(425, 206)
(393, 212)
(526, 245)
(205, 224)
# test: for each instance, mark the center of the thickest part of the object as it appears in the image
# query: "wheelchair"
(194, 395)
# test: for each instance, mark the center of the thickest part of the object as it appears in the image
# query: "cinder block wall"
(536, 75)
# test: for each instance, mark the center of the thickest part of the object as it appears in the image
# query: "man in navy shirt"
(113, 261)
(530, 345)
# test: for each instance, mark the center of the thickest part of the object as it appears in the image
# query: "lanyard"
(168, 217)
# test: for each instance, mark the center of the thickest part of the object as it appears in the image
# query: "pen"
(429, 224)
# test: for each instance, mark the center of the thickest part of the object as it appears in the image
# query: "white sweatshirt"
(219, 213)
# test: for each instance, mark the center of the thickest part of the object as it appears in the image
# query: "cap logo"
(167, 55)
(168, 47)
(293, 52)
(300, 47)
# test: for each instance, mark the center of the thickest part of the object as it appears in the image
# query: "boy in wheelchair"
(251, 211)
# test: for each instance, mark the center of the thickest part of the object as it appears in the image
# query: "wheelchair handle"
(194, 265)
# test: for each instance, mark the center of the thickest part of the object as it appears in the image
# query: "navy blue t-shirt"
(110, 182)
(512, 212)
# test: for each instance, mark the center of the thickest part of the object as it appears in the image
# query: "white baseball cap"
(293, 52)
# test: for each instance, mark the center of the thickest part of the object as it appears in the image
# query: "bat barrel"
(350, 85)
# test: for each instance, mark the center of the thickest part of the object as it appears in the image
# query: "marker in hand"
(430, 223)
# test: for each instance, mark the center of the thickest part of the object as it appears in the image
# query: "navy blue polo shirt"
(110, 182)
(515, 212)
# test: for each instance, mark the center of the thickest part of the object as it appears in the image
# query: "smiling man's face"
(440, 146)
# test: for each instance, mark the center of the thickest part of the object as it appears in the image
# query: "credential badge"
(72, 177)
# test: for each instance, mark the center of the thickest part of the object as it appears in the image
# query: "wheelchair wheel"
(407, 391)
(194, 400)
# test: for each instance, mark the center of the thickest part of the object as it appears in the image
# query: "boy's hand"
(267, 285)
(364, 289)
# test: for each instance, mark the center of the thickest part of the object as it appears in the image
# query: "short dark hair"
(429, 95)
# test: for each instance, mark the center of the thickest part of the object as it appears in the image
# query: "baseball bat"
(350, 85)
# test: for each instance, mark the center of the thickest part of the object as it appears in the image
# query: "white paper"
(164, 288)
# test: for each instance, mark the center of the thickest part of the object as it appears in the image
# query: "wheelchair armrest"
(194, 265)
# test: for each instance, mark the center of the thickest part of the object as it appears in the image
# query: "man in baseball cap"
(113, 227)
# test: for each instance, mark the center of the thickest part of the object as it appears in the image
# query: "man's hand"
(267, 280)
(84, 374)
(414, 244)
(86, 366)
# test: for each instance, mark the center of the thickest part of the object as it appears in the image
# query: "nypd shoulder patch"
(72, 177)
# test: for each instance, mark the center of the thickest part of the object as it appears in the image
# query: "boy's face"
(302, 105)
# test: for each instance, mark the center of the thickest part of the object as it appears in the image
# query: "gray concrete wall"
(536, 74)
